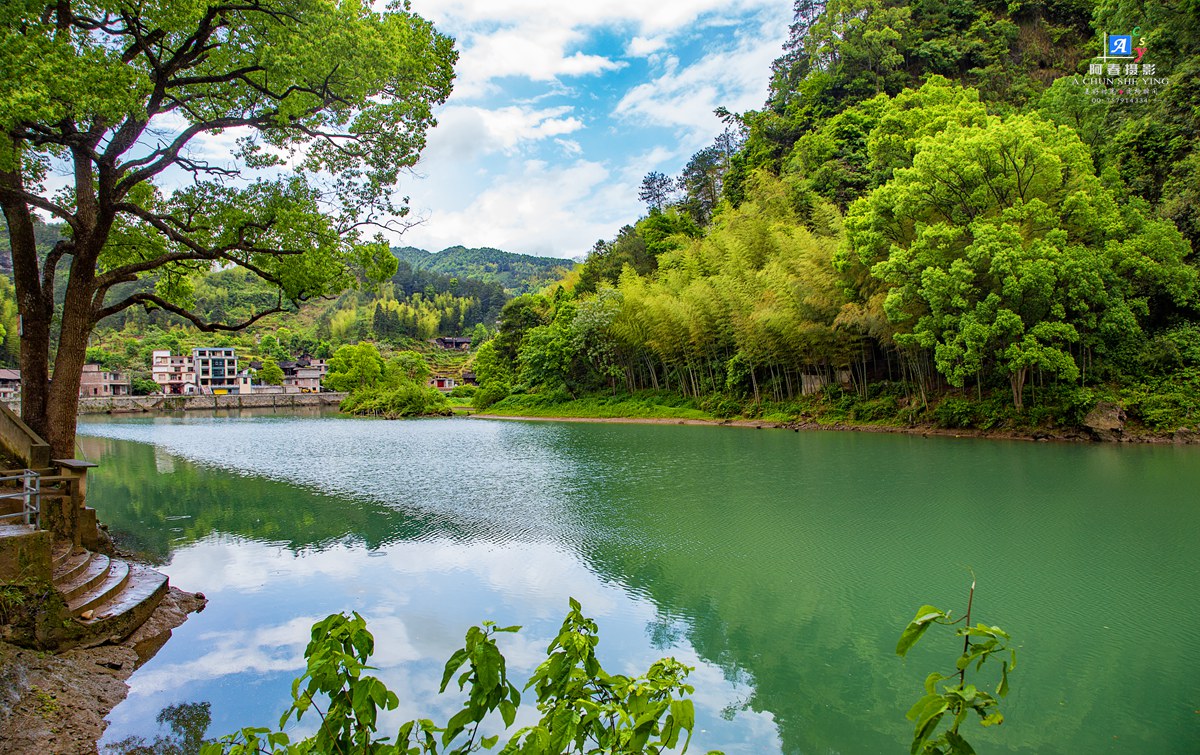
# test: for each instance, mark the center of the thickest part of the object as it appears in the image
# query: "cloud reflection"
(418, 599)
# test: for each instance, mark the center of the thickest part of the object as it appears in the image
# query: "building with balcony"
(304, 375)
(216, 370)
(206, 371)
(173, 374)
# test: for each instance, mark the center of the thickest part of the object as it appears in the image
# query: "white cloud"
(552, 210)
(536, 50)
(685, 96)
(569, 147)
(466, 132)
(648, 17)
(544, 81)
(641, 47)
(541, 41)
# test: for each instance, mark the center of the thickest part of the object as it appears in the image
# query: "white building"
(207, 371)
(216, 370)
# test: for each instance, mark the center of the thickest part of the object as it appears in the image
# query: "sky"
(560, 107)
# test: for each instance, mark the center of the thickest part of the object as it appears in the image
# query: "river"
(781, 565)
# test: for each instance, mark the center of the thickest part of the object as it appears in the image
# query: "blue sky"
(560, 109)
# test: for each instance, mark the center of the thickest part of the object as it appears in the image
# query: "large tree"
(1002, 251)
(196, 134)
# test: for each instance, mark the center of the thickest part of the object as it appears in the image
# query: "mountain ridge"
(517, 273)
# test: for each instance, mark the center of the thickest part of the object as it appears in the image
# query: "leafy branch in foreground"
(583, 708)
(956, 700)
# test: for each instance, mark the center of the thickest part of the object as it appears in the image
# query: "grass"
(641, 406)
(461, 405)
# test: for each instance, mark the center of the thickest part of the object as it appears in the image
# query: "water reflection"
(782, 565)
(186, 723)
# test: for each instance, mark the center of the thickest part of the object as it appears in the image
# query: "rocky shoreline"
(58, 703)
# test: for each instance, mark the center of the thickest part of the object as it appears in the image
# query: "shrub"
(875, 410)
(405, 400)
(490, 393)
(954, 411)
(584, 708)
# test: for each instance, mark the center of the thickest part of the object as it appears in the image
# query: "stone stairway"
(108, 597)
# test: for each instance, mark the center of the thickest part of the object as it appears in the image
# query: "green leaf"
(931, 682)
(924, 618)
(454, 664)
(457, 723)
(925, 727)
(918, 711)
(1002, 688)
(508, 711)
(958, 745)
(489, 742)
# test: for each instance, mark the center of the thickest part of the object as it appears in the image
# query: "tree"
(656, 190)
(144, 386)
(328, 103)
(271, 373)
(406, 366)
(1002, 250)
(701, 182)
(354, 367)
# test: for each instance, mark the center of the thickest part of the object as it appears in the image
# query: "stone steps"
(107, 597)
(93, 569)
(106, 587)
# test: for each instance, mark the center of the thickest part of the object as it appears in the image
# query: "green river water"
(781, 565)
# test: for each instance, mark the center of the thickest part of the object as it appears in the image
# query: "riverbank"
(58, 703)
(1107, 434)
(161, 403)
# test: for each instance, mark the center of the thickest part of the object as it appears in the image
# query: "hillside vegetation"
(418, 303)
(516, 273)
(942, 213)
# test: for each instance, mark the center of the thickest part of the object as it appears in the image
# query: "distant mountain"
(517, 273)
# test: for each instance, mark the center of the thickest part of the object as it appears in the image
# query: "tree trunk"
(34, 311)
(1017, 379)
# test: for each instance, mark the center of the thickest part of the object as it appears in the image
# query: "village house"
(303, 375)
(460, 344)
(216, 370)
(207, 371)
(10, 384)
(98, 382)
(174, 374)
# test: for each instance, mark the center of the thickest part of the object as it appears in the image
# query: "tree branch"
(43, 204)
(146, 298)
(162, 158)
(61, 248)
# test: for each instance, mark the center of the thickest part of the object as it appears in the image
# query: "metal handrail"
(30, 493)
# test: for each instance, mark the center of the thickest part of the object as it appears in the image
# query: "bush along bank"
(395, 402)
(1136, 414)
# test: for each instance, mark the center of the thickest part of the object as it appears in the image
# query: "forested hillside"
(969, 214)
(418, 303)
(517, 273)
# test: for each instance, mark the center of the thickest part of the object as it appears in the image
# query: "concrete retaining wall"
(21, 442)
(160, 403)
